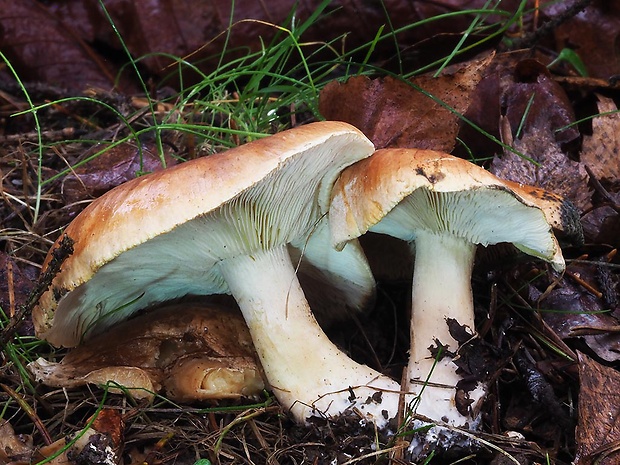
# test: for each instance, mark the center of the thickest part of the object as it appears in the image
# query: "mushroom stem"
(295, 352)
(442, 261)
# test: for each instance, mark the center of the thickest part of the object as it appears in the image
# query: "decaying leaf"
(593, 33)
(112, 168)
(601, 155)
(516, 92)
(601, 225)
(601, 150)
(199, 30)
(574, 312)
(14, 448)
(43, 48)
(598, 429)
(188, 351)
(553, 170)
(533, 100)
(395, 113)
(72, 43)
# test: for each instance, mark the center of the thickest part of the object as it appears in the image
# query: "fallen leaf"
(532, 100)
(574, 313)
(100, 443)
(42, 48)
(598, 429)
(593, 33)
(517, 88)
(548, 167)
(601, 150)
(601, 225)
(110, 422)
(199, 30)
(422, 113)
(112, 168)
(14, 448)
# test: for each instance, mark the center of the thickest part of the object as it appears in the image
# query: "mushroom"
(221, 224)
(333, 282)
(444, 207)
(190, 351)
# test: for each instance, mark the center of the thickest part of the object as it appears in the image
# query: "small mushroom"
(189, 351)
(221, 224)
(444, 207)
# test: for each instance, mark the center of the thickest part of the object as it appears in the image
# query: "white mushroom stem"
(307, 372)
(441, 289)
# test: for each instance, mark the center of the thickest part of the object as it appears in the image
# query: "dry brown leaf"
(100, 443)
(533, 99)
(42, 48)
(393, 113)
(517, 88)
(601, 150)
(598, 429)
(575, 313)
(112, 168)
(196, 29)
(15, 449)
(601, 226)
(593, 34)
(553, 170)
(110, 422)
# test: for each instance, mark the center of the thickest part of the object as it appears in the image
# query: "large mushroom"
(221, 224)
(444, 207)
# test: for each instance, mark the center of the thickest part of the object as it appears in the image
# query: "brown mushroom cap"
(392, 176)
(192, 351)
(135, 221)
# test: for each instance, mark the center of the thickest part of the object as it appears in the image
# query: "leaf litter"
(598, 430)
(422, 112)
(532, 322)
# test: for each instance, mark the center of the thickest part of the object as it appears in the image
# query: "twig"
(398, 446)
(583, 283)
(532, 38)
(598, 187)
(244, 416)
(59, 255)
(29, 411)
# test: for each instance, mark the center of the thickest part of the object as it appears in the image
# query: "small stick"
(587, 286)
(60, 253)
(11, 285)
(29, 411)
